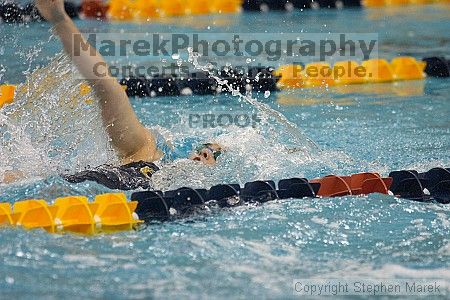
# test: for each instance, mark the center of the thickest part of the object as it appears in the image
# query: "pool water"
(254, 251)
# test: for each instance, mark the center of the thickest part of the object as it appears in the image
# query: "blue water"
(248, 251)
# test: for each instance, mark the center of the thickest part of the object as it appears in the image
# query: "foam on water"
(255, 153)
(248, 156)
(267, 114)
(51, 127)
(247, 252)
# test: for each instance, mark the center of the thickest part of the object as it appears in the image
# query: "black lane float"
(110, 213)
(431, 186)
(11, 12)
(266, 5)
(256, 79)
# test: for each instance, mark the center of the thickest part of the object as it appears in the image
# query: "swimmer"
(135, 145)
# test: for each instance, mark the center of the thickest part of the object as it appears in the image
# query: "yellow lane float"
(378, 70)
(407, 68)
(318, 75)
(108, 213)
(379, 3)
(128, 10)
(121, 10)
(290, 76)
(7, 92)
(347, 72)
(114, 213)
(199, 7)
(226, 7)
(74, 214)
(172, 8)
(5, 214)
(313, 75)
(146, 9)
(32, 214)
(350, 72)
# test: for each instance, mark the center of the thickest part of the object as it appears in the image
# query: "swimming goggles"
(215, 153)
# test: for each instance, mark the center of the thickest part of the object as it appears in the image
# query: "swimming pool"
(249, 251)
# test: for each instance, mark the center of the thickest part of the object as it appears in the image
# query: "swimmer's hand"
(52, 10)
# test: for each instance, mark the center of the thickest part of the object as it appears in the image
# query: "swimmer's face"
(207, 154)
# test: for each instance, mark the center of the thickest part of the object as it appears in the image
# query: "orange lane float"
(357, 184)
(95, 9)
(333, 186)
(368, 183)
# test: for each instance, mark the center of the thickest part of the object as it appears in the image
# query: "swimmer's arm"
(132, 140)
